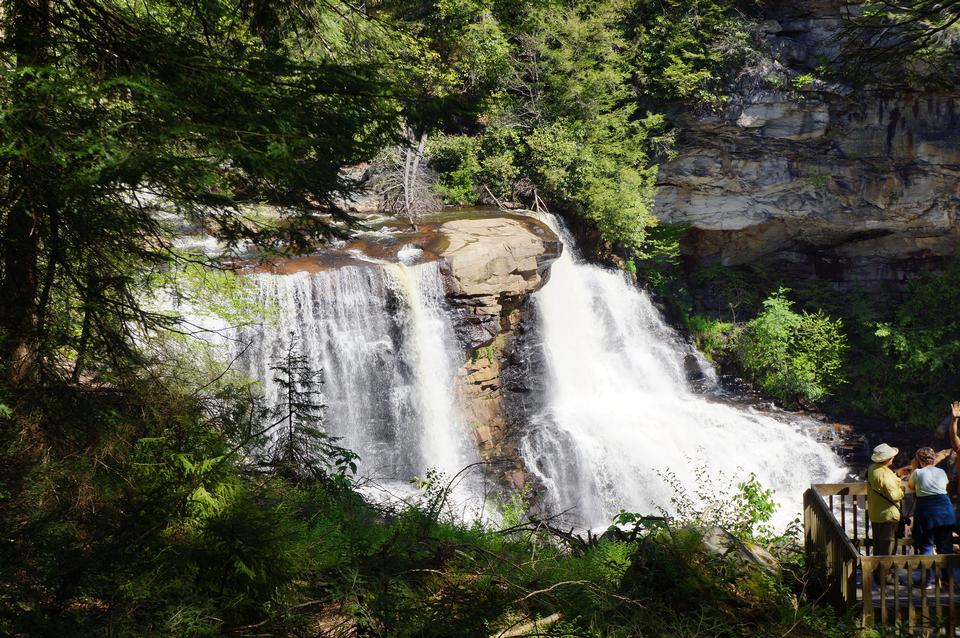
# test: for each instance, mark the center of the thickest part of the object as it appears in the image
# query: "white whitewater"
(621, 414)
(388, 353)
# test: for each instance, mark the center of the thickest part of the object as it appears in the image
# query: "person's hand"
(955, 409)
(904, 471)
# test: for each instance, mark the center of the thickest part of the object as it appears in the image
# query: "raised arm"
(942, 454)
(955, 416)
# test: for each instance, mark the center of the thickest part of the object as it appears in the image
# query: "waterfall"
(619, 414)
(383, 339)
(606, 416)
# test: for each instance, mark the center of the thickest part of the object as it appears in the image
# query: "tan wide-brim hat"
(883, 452)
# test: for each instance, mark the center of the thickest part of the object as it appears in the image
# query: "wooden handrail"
(832, 489)
(828, 547)
(831, 521)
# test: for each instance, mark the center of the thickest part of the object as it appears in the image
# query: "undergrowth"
(152, 518)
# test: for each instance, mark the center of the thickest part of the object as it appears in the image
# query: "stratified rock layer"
(859, 188)
(491, 266)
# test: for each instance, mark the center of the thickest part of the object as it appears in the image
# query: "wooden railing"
(888, 589)
(905, 602)
(829, 550)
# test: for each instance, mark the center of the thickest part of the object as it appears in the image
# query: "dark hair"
(926, 455)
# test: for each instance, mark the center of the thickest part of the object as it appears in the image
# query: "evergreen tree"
(114, 115)
(300, 445)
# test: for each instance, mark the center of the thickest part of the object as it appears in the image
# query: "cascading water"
(619, 413)
(384, 341)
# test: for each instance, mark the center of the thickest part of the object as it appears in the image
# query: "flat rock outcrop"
(491, 266)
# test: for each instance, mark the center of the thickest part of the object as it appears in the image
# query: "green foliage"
(742, 508)
(715, 338)
(911, 360)
(566, 112)
(468, 164)
(755, 506)
(684, 50)
(299, 445)
(177, 534)
(819, 181)
(209, 292)
(556, 85)
(802, 80)
(891, 44)
(456, 157)
(899, 358)
(516, 506)
(736, 293)
(795, 357)
(201, 113)
(774, 81)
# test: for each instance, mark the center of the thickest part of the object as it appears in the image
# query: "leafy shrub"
(744, 508)
(795, 357)
(685, 49)
(735, 293)
(802, 80)
(456, 157)
(920, 349)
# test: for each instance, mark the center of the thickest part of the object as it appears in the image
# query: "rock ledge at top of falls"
(490, 263)
(490, 266)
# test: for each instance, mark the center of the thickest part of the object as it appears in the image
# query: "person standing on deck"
(884, 495)
(933, 516)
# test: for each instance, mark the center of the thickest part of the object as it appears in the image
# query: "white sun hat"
(883, 452)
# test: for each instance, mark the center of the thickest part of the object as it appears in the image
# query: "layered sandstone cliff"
(857, 187)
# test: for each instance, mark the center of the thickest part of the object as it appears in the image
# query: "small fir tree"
(302, 447)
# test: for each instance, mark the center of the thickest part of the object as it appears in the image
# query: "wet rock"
(720, 542)
(692, 369)
(500, 388)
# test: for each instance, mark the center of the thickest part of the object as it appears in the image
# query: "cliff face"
(856, 187)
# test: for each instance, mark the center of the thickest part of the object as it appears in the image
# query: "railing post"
(866, 583)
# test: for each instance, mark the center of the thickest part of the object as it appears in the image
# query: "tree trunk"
(411, 171)
(20, 241)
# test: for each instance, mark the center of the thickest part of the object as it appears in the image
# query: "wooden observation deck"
(836, 530)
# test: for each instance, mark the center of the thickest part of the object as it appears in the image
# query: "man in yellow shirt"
(884, 495)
